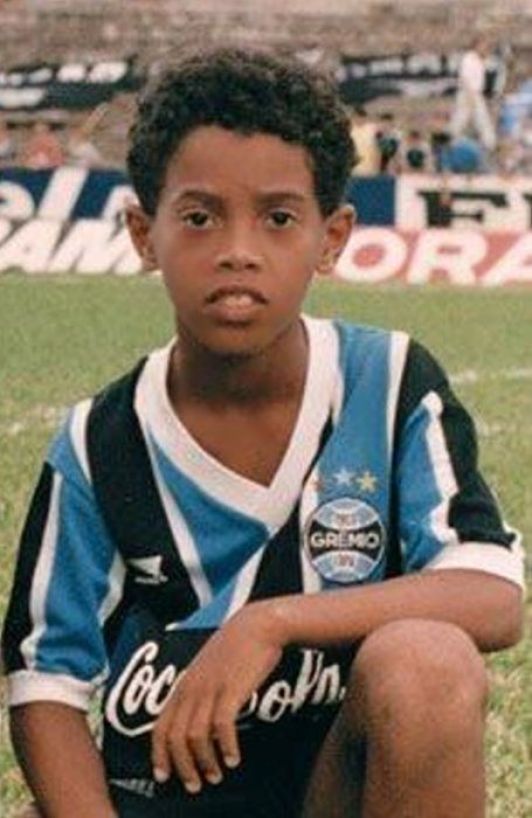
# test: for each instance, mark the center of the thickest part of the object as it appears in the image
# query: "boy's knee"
(417, 677)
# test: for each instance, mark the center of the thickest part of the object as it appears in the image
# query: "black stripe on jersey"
(421, 374)
(127, 494)
(18, 623)
(280, 567)
(393, 546)
(473, 512)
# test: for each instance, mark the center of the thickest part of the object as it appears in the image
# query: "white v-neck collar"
(270, 504)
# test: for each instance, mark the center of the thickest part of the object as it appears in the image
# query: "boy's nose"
(238, 261)
(239, 252)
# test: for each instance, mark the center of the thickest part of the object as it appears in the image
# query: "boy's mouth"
(235, 303)
(236, 295)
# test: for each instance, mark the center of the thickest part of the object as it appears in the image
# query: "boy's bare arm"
(203, 708)
(486, 606)
(60, 761)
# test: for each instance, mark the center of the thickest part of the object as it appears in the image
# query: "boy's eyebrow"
(267, 197)
(201, 195)
(274, 196)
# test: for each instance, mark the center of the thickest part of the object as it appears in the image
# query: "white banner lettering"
(459, 257)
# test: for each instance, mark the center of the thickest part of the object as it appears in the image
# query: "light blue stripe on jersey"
(360, 440)
(419, 493)
(224, 538)
(359, 444)
(365, 360)
(61, 454)
(213, 614)
(79, 579)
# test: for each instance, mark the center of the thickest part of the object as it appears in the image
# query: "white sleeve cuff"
(507, 563)
(24, 686)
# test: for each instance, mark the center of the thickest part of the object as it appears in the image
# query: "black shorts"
(206, 805)
(270, 783)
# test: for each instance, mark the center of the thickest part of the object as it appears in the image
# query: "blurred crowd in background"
(484, 129)
(483, 124)
(45, 147)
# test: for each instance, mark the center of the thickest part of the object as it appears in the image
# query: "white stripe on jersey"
(316, 408)
(398, 350)
(338, 391)
(442, 471)
(116, 577)
(309, 501)
(78, 435)
(503, 562)
(244, 583)
(270, 505)
(42, 576)
(338, 399)
(25, 686)
(180, 532)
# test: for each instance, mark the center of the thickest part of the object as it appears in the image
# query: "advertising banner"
(71, 220)
(65, 220)
(420, 74)
(73, 85)
(460, 257)
(374, 199)
(491, 203)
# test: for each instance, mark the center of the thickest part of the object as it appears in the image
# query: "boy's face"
(238, 235)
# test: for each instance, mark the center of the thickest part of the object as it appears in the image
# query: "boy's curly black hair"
(248, 92)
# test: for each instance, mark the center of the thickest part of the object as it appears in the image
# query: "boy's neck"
(275, 375)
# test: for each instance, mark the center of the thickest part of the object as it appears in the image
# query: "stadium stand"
(155, 30)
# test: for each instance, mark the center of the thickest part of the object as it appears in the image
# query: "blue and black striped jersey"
(133, 526)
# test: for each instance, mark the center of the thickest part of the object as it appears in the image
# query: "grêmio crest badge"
(345, 540)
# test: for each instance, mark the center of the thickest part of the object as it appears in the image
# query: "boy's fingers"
(170, 753)
(161, 757)
(183, 762)
(201, 744)
(204, 753)
(224, 723)
(187, 739)
(170, 750)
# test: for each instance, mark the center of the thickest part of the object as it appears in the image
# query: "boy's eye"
(281, 218)
(196, 218)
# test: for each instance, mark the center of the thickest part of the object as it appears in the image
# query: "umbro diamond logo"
(148, 570)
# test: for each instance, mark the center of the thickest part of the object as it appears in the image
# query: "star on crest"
(343, 477)
(364, 481)
(367, 482)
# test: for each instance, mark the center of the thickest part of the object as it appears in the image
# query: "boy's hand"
(197, 729)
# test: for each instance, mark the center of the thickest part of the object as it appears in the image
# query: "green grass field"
(61, 338)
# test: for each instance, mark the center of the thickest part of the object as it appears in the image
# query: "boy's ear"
(139, 226)
(337, 231)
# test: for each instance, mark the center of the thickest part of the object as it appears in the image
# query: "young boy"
(270, 542)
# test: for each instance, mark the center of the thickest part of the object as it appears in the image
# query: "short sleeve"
(68, 580)
(447, 515)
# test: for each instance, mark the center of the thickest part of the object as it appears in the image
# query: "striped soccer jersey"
(138, 543)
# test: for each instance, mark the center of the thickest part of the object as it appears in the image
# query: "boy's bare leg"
(416, 702)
